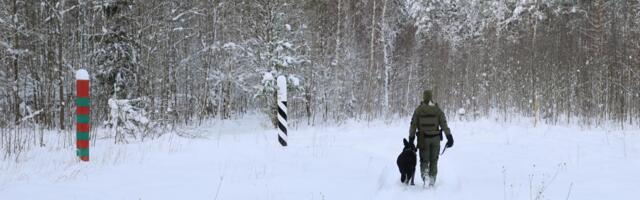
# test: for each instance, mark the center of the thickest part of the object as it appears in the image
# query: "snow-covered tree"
(276, 50)
(116, 60)
(116, 57)
(128, 120)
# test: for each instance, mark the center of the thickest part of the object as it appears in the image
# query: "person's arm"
(414, 125)
(445, 127)
(443, 124)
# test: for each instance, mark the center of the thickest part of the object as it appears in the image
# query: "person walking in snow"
(429, 120)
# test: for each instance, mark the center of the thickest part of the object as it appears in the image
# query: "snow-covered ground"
(241, 159)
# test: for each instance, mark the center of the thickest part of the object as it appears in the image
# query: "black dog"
(407, 162)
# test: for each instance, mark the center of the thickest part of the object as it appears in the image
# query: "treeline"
(180, 62)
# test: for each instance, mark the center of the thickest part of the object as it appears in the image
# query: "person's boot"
(423, 175)
(432, 181)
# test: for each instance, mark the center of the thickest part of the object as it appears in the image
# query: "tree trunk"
(371, 71)
(385, 58)
(14, 63)
(59, 62)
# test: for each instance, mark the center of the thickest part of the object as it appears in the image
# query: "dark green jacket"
(427, 119)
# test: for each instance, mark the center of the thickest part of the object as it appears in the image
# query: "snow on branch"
(13, 51)
(192, 11)
(31, 116)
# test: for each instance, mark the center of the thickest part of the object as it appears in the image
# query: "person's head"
(427, 96)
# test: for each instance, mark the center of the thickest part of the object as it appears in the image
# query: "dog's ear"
(404, 140)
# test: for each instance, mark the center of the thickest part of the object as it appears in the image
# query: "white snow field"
(241, 159)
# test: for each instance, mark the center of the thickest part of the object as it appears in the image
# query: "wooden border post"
(83, 110)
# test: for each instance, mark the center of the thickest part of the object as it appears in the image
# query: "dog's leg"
(408, 178)
(411, 176)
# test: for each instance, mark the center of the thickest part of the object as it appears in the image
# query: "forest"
(177, 62)
(541, 96)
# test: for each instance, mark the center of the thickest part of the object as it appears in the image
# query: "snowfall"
(241, 159)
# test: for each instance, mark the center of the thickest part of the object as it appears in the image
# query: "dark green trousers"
(429, 153)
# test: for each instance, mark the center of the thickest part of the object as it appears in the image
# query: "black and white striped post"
(282, 110)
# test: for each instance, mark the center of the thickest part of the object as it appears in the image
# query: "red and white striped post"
(83, 110)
